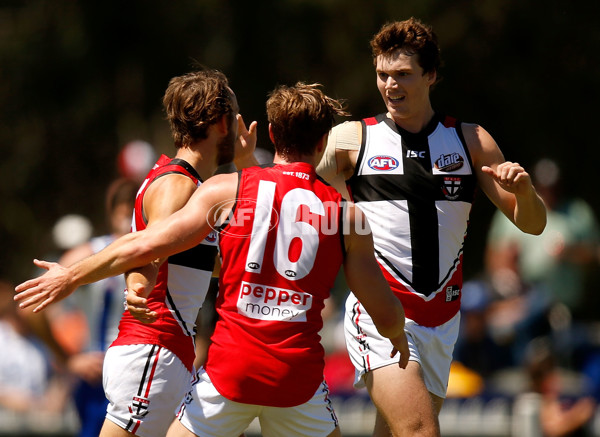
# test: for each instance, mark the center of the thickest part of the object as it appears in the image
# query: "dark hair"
(121, 190)
(299, 116)
(411, 37)
(195, 101)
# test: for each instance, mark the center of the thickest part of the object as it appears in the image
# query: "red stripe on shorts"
(135, 428)
(152, 372)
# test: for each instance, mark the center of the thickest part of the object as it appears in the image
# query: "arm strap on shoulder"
(344, 136)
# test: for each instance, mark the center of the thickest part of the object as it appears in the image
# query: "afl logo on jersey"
(212, 237)
(383, 163)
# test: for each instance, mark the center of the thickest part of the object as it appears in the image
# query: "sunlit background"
(81, 80)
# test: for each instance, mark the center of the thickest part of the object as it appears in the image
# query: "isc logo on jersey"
(383, 163)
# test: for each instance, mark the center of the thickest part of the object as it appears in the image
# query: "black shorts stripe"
(146, 367)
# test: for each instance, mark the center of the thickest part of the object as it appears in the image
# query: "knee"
(418, 427)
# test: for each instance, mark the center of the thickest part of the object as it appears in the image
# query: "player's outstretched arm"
(182, 230)
(366, 281)
(129, 251)
(527, 210)
(506, 183)
(59, 281)
(35, 291)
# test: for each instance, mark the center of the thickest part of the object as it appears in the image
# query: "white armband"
(344, 136)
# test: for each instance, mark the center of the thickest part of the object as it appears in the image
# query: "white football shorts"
(431, 347)
(144, 385)
(208, 414)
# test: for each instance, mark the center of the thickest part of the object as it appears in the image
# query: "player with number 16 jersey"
(270, 306)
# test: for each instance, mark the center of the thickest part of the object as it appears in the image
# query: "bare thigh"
(403, 402)
(111, 429)
(178, 430)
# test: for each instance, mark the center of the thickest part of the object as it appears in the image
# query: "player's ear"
(321, 144)
(431, 77)
(223, 124)
(271, 134)
(320, 148)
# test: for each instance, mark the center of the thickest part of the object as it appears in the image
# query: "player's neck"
(204, 165)
(308, 159)
(414, 122)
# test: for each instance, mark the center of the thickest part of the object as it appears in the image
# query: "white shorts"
(144, 385)
(208, 414)
(431, 347)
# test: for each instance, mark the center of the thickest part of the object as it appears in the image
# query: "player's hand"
(245, 144)
(140, 283)
(137, 305)
(400, 344)
(511, 177)
(52, 286)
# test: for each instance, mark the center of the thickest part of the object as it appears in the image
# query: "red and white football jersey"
(416, 190)
(181, 286)
(281, 251)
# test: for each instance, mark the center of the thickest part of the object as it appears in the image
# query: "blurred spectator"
(554, 268)
(518, 313)
(80, 342)
(27, 382)
(559, 259)
(478, 349)
(564, 410)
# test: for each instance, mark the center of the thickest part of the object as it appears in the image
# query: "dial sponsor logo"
(449, 162)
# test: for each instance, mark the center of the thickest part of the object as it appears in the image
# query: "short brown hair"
(412, 37)
(195, 101)
(299, 116)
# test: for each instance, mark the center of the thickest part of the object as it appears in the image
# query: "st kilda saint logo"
(451, 187)
(138, 408)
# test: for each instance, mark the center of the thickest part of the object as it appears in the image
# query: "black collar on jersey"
(187, 166)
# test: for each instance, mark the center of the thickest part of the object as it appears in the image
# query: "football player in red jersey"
(149, 368)
(284, 234)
